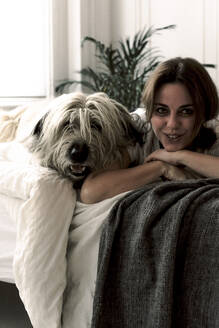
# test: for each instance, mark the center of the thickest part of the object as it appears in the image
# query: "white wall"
(66, 22)
(196, 34)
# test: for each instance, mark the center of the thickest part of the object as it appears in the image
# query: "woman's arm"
(203, 164)
(106, 184)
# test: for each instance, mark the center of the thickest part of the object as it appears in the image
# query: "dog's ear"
(135, 134)
(39, 126)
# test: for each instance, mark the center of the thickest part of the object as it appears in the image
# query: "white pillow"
(9, 120)
(43, 217)
(29, 119)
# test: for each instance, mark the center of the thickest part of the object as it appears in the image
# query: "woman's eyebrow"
(186, 105)
(160, 104)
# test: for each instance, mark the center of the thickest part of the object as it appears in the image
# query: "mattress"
(7, 242)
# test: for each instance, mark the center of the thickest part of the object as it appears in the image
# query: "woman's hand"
(176, 166)
(171, 172)
(199, 165)
(165, 156)
(170, 161)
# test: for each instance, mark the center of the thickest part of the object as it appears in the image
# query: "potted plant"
(122, 69)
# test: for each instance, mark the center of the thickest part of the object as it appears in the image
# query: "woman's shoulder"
(150, 141)
(214, 149)
(139, 112)
(139, 117)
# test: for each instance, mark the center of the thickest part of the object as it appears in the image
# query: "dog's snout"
(78, 152)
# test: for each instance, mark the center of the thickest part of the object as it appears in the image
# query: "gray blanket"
(159, 258)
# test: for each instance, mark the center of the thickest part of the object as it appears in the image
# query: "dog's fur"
(83, 134)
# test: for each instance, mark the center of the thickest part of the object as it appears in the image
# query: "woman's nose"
(173, 121)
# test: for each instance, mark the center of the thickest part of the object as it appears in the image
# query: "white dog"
(83, 134)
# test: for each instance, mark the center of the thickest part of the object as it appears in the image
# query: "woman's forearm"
(107, 184)
(203, 164)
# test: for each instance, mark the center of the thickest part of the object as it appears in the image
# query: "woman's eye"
(187, 111)
(161, 111)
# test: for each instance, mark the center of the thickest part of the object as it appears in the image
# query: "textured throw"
(159, 258)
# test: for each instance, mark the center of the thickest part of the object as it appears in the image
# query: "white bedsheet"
(11, 152)
(56, 282)
(84, 237)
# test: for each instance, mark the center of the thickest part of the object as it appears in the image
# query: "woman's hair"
(199, 84)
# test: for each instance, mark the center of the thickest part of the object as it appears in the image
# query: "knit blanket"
(159, 258)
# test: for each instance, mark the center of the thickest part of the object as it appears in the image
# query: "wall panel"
(187, 38)
(210, 35)
(196, 33)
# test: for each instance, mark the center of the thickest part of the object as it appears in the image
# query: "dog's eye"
(96, 126)
(68, 125)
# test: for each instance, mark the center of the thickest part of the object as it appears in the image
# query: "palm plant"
(123, 70)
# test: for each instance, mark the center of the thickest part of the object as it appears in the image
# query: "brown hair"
(197, 80)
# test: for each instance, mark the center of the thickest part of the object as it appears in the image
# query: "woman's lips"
(173, 137)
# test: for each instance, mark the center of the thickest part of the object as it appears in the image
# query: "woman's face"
(173, 118)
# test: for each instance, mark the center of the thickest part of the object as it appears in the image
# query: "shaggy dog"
(83, 134)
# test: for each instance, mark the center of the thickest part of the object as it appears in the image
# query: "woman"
(179, 97)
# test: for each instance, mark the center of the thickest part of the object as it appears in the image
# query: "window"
(27, 49)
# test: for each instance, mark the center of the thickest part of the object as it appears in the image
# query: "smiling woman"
(180, 98)
(173, 118)
(199, 91)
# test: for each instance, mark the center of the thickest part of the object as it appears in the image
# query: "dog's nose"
(78, 152)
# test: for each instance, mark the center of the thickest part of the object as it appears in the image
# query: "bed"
(78, 265)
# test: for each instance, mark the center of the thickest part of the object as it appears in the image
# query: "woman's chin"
(172, 148)
(174, 145)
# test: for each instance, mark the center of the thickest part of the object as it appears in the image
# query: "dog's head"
(83, 134)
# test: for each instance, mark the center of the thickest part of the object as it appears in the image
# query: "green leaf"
(122, 67)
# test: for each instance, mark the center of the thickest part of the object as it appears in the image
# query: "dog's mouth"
(79, 170)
